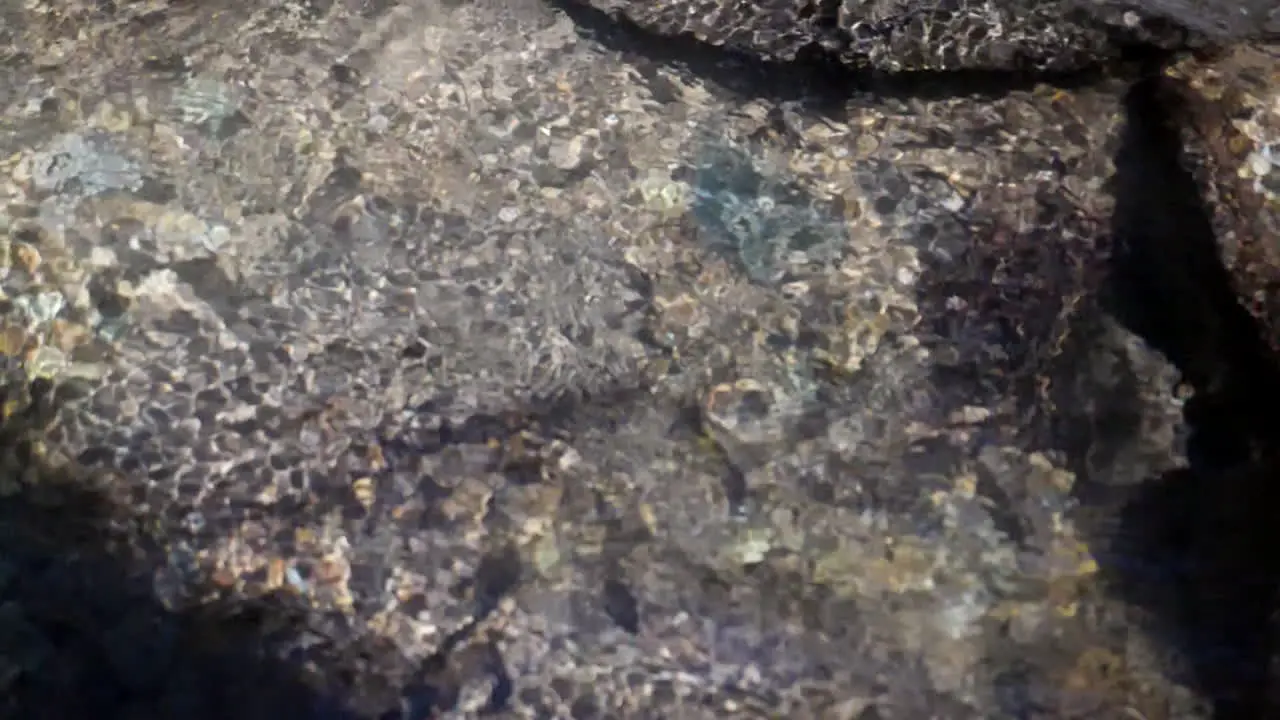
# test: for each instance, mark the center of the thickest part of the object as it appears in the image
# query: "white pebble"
(1260, 162)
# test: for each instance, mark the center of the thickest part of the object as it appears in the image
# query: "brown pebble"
(27, 258)
(275, 574)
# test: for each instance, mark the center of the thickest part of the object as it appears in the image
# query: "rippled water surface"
(377, 359)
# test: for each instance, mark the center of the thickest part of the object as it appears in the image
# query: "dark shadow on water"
(83, 635)
(816, 79)
(1199, 548)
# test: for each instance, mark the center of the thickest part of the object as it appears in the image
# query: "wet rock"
(525, 373)
(80, 166)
